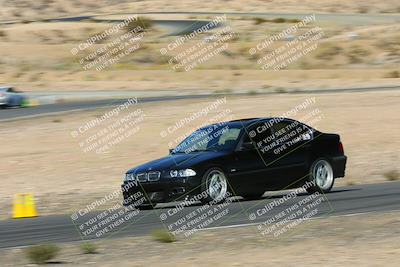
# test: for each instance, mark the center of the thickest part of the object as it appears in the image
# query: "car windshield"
(217, 137)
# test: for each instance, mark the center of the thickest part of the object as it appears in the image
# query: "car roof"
(245, 122)
(250, 121)
(241, 122)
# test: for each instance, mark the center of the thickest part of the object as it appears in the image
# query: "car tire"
(215, 183)
(253, 196)
(321, 174)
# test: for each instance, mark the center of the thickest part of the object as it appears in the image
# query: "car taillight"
(1, 94)
(341, 149)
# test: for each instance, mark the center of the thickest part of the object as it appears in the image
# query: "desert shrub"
(146, 59)
(42, 253)
(363, 9)
(356, 54)
(305, 65)
(392, 175)
(280, 90)
(140, 22)
(252, 92)
(244, 50)
(390, 44)
(223, 91)
(163, 236)
(283, 20)
(327, 51)
(393, 74)
(89, 248)
(227, 53)
(258, 21)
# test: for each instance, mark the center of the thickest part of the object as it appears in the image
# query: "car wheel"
(215, 184)
(253, 196)
(321, 174)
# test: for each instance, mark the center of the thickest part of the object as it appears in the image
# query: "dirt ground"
(363, 240)
(37, 56)
(41, 155)
(23, 9)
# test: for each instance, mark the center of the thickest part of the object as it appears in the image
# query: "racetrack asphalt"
(347, 200)
(52, 109)
(339, 18)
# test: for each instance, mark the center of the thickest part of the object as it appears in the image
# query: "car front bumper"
(165, 190)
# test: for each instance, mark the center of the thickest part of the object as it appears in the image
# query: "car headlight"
(182, 173)
(130, 177)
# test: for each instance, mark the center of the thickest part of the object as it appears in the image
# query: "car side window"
(281, 128)
(229, 136)
(257, 135)
(288, 131)
(246, 137)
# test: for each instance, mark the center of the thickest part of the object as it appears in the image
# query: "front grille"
(154, 176)
(142, 177)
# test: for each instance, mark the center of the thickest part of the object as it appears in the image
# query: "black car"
(240, 158)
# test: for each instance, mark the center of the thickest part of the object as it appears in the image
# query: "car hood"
(177, 161)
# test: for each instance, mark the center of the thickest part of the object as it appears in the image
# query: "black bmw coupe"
(240, 158)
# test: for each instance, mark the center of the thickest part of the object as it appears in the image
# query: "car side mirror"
(170, 150)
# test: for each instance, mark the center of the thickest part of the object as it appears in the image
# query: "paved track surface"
(61, 228)
(24, 113)
(339, 18)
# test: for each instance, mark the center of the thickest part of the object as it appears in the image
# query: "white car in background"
(9, 97)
